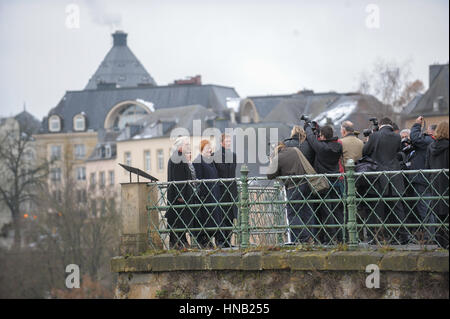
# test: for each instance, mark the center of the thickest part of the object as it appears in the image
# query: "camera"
(314, 125)
(407, 146)
(305, 118)
(367, 132)
(374, 121)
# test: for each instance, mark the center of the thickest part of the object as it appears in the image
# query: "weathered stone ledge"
(403, 261)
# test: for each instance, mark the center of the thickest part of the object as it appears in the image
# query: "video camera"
(375, 127)
(374, 121)
(314, 125)
(407, 146)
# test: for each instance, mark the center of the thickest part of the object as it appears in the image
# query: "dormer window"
(79, 122)
(107, 151)
(54, 123)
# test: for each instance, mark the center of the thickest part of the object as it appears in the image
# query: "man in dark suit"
(225, 161)
(383, 147)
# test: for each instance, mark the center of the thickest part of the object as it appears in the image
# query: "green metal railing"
(376, 208)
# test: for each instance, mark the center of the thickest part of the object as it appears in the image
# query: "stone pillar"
(135, 229)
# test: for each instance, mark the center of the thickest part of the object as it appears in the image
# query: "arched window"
(79, 122)
(126, 112)
(54, 123)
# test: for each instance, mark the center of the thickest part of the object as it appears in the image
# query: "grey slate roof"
(438, 88)
(97, 103)
(120, 66)
(289, 110)
(318, 105)
(264, 104)
(163, 121)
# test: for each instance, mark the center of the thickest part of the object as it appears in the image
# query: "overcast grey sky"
(258, 47)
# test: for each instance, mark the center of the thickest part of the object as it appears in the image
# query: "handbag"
(317, 184)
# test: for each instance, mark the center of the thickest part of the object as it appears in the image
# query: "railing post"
(351, 204)
(244, 208)
(279, 211)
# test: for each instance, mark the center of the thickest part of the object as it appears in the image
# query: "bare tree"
(390, 83)
(21, 177)
(77, 230)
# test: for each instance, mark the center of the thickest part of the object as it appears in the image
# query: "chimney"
(193, 80)
(120, 38)
(434, 71)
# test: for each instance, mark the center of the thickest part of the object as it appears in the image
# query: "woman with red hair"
(209, 192)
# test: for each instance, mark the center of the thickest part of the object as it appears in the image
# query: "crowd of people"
(191, 193)
(385, 149)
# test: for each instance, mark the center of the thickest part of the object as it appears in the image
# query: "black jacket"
(383, 147)
(178, 194)
(420, 143)
(437, 157)
(304, 147)
(228, 190)
(209, 192)
(328, 153)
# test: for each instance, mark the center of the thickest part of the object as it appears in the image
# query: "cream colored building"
(67, 154)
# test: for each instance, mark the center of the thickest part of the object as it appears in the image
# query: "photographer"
(328, 153)
(407, 150)
(298, 139)
(286, 162)
(418, 185)
(382, 147)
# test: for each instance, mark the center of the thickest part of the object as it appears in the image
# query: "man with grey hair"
(405, 133)
(351, 145)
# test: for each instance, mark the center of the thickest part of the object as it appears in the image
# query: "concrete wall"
(282, 274)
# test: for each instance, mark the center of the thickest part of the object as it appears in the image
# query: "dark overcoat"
(228, 190)
(208, 192)
(383, 147)
(179, 194)
(437, 157)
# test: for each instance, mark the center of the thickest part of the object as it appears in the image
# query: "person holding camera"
(383, 146)
(418, 185)
(298, 139)
(407, 150)
(286, 162)
(328, 152)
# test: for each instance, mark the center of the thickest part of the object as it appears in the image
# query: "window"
(147, 161)
(79, 122)
(81, 196)
(54, 123)
(55, 174)
(57, 195)
(102, 179)
(127, 158)
(160, 157)
(92, 180)
(103, 208)
(81, 173)
(55, 152)
(107, 151)
(111, 177)
(80, 151)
